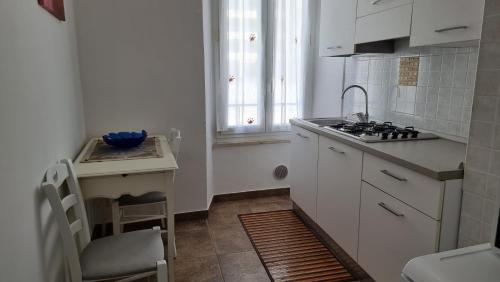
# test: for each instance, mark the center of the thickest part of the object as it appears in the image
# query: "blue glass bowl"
(125, 140)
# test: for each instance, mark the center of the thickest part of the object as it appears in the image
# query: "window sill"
(221, 142)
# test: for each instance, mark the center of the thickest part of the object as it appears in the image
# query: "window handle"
(394, 212)
(336, 150)
(386, 172)
(375, 2)
(451, 28)
(302, 136)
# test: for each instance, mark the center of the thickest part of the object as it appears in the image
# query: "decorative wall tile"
(439, 100)
(408, 71)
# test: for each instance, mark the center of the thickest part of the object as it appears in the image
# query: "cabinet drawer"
(367, 7)
(446, 21)
(392, 233)
(114, 186)
(390, 24)
(419, 191)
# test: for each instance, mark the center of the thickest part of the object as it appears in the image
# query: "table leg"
(170, 224)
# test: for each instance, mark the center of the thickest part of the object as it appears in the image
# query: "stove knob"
(414, 134)
(404, 135)
(385, 135)
(395, 135)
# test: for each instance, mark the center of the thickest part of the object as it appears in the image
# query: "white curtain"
(263, 56)
(290, 48)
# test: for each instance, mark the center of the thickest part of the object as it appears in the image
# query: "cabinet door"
(337, 27)
(446, 21)
(304, 170)
(367, 7)
(339, 186)
(391, 233)
(390, 24)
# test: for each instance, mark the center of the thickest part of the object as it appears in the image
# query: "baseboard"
(342, 256)
(203, 214)
(251, 195)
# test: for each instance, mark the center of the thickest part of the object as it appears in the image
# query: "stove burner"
(386, 131)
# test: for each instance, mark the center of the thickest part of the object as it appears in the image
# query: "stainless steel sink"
(326, 121)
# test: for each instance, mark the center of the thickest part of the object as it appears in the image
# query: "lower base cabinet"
(339, 188)
(391, 233)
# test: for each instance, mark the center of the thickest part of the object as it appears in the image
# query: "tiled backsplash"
(442, 100)
(482, 170)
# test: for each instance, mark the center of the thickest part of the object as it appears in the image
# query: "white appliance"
(472, 264)
(480, 263)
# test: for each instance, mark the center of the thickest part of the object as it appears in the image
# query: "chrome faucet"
(362, 118)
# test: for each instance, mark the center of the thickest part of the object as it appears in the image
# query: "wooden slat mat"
(289, 250)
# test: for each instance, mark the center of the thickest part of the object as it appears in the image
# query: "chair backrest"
(174, 141)
(69, 211)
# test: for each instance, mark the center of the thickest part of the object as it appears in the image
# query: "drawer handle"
(451, 28)
(386, 172)
(396, 213)
(334, 47)
(375, 2)
(302, 136)
(336, 150)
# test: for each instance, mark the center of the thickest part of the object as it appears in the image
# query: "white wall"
(209, 30)
(41, 120)
(142, 67)
(249, 168)
(327, 86)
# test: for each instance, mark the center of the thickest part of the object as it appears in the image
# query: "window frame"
(267, 129)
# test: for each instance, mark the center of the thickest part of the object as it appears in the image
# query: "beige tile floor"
(217, 248)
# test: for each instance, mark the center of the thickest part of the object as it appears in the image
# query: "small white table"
(112, 179)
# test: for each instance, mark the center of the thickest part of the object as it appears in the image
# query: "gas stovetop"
(373, 132)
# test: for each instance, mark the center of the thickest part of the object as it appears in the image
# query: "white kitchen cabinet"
(391, 233)
(421, 192)
(367, 7)
(339, 188)
(337, 27)
(388, 24)
(304, 170)
(446, 21)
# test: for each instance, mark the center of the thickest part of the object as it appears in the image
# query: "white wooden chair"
(122, 209)
(126, 257)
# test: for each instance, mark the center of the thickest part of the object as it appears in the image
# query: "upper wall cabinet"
(337, 27)
(446, 21)
(382, 20)
(367, 7)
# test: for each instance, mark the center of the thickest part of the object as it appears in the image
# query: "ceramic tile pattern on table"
(217, 248)
(482, 171)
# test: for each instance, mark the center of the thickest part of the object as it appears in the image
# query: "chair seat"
(121, 255)
(148, 198)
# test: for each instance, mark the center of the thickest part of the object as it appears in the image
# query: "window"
(263, 48)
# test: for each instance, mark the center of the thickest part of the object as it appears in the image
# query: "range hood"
(377, 47)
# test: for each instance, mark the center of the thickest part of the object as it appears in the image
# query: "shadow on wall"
(51, 253)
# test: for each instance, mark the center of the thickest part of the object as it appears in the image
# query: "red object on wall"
(55, 7)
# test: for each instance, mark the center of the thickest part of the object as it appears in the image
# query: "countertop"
(441, 159)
